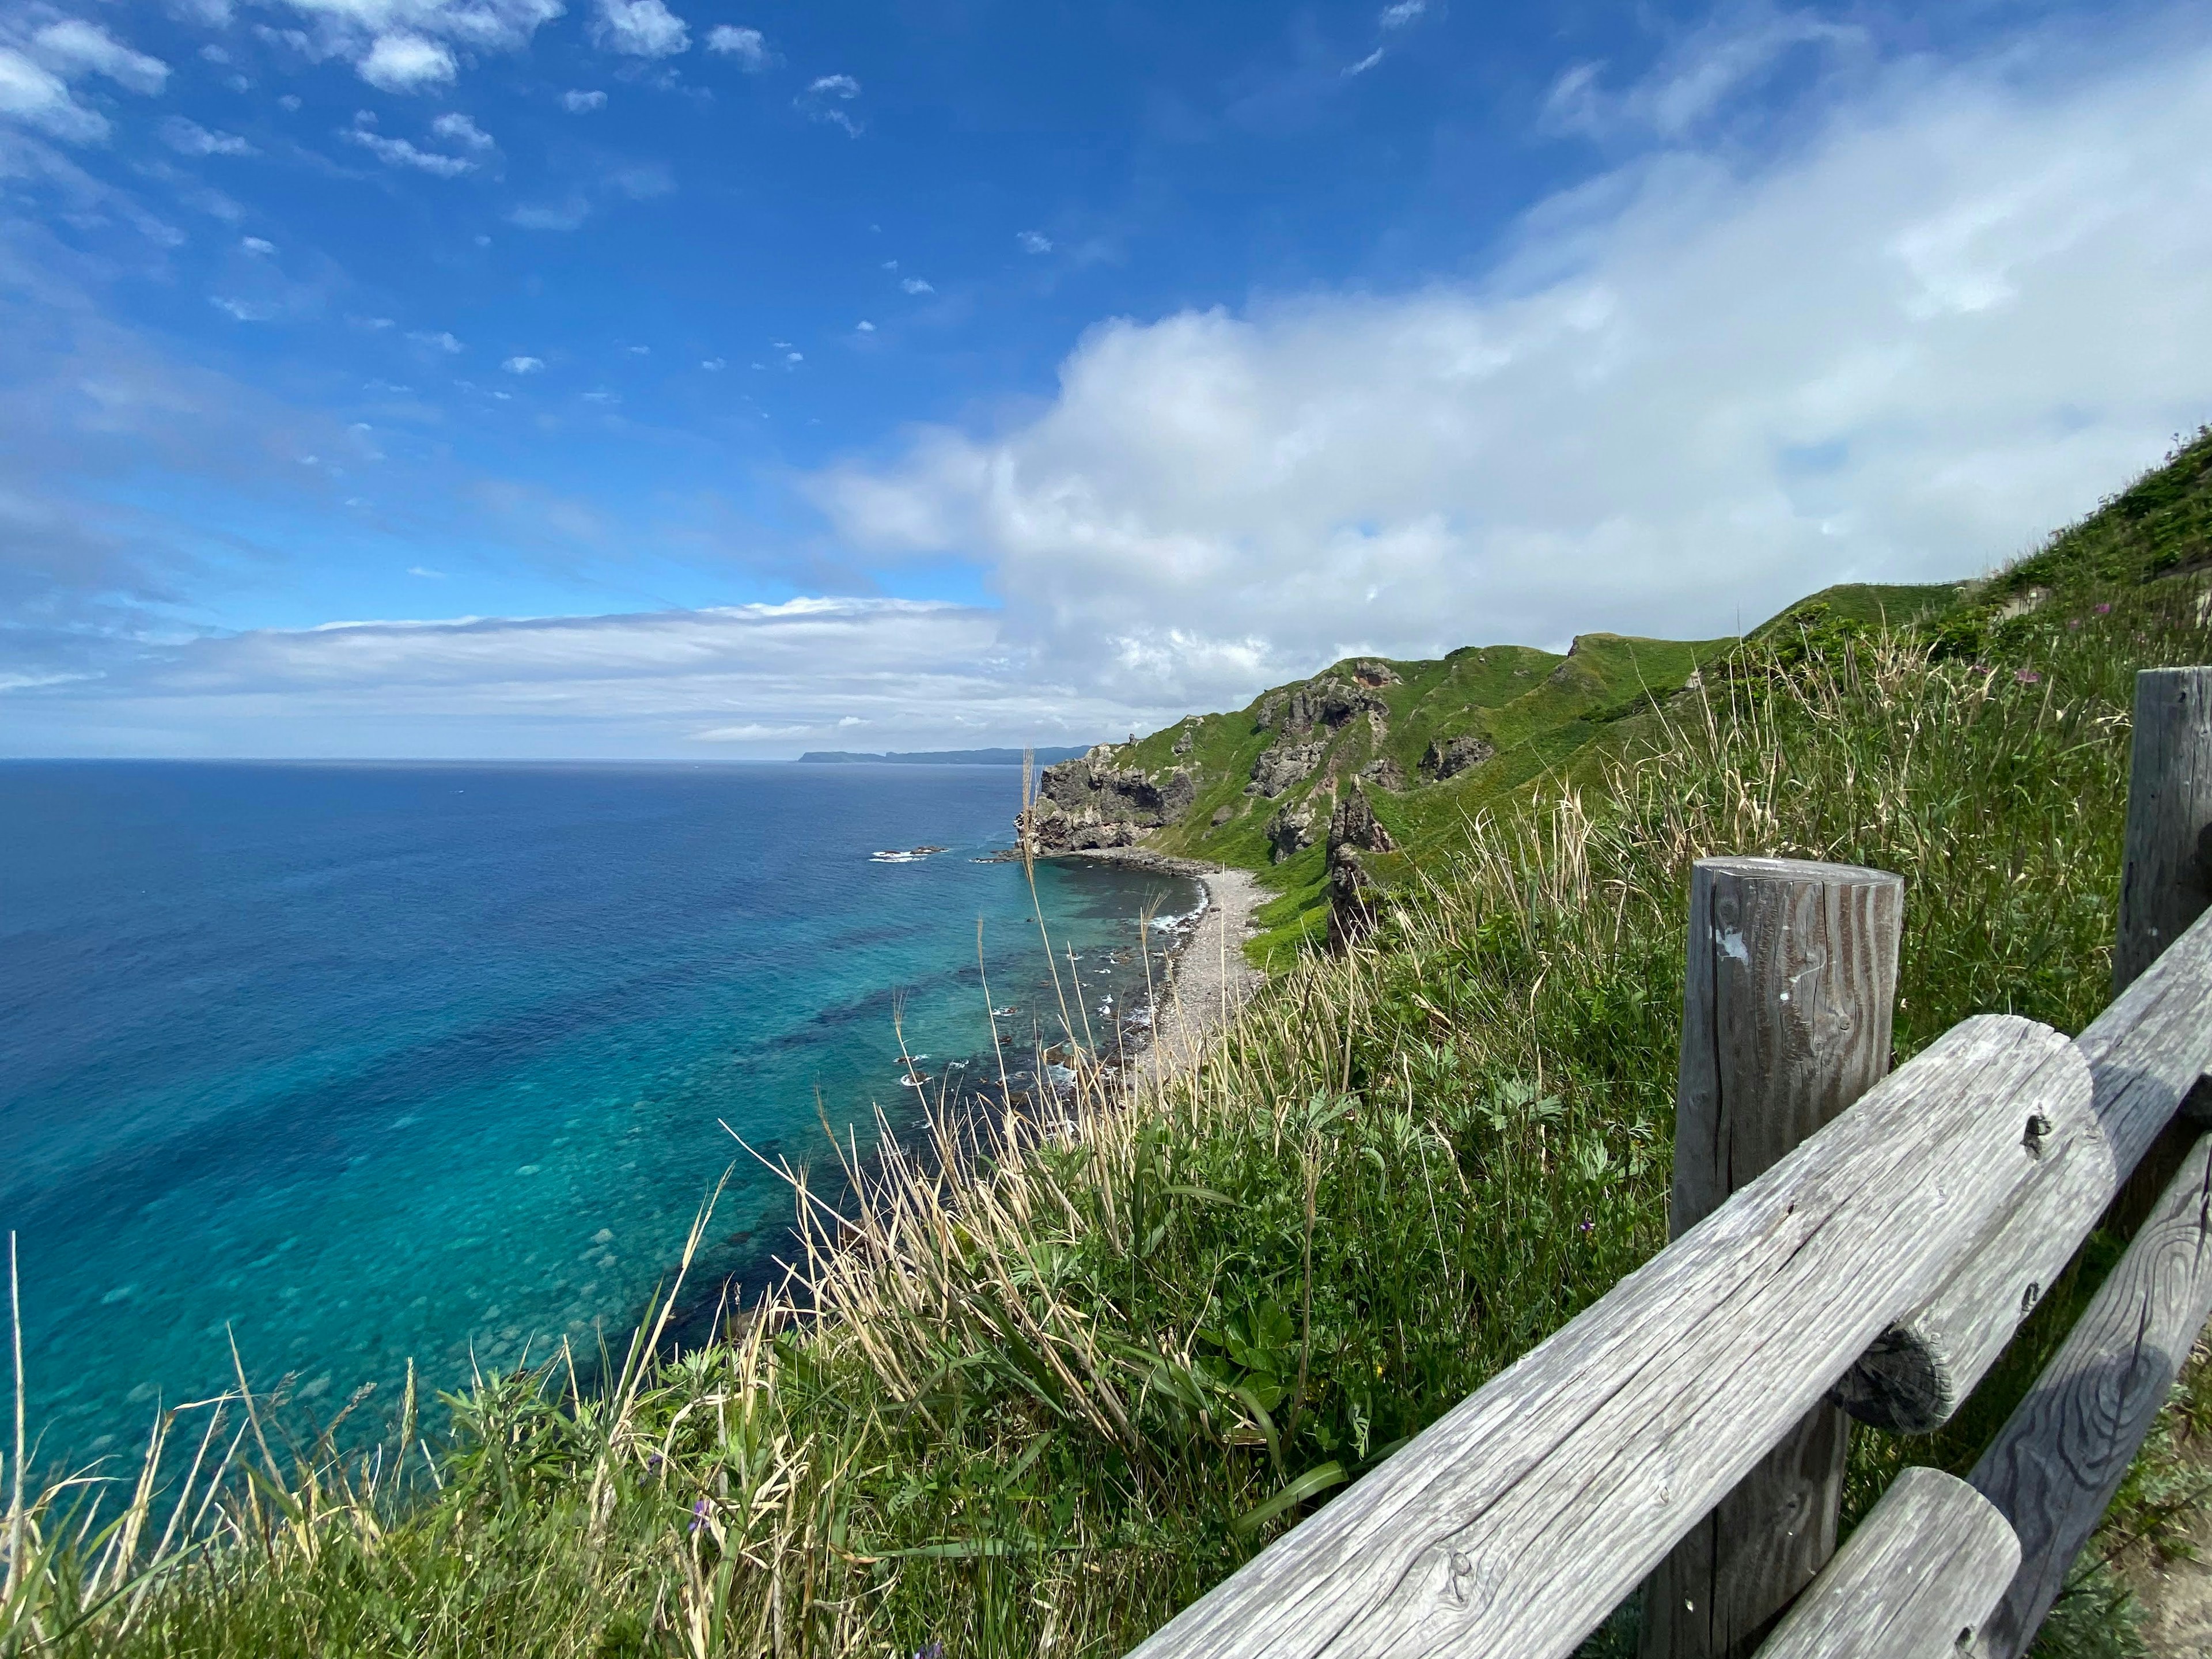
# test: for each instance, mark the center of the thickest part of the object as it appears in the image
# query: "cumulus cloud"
(401, 153)
(580, 103)
(915, 285)
(642, 28)
(457, 129)
(1694, 390)
(190, 138)
(407, 62)
(440, 340)
(400, 46)
(748, 46)
(523, 364)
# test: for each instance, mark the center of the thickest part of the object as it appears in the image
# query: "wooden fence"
(1847, 1240)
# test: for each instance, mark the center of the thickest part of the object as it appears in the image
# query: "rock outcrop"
(1328, 702)
(1448, 757)
(1290, 831)
(1353, 894)
(1280, 767)
(1384, 773)
(1090, 802)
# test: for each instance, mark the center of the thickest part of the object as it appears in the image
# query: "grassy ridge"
(1054, 1388)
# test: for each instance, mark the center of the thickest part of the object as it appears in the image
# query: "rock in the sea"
(1449, 756)
(1090, 802)
(1290, 831)
(1280, 767)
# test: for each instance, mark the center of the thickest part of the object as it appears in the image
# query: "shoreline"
(1208, 980)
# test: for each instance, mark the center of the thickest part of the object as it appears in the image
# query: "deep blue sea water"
(361, 1062)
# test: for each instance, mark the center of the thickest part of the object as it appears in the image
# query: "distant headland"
(940, 758)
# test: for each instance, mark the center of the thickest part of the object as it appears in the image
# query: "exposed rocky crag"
(1282, 766)
(1089, 803)
(1449, 756)
(1290, 831)
(1328, 702)
(1352, 893)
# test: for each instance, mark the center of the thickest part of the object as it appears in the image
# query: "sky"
(652, 379)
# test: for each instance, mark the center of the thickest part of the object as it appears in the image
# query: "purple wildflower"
(1588, 1225)
(2073, 624)
(2026, 676)
(934, 1650)
(698, 1516)
(2104, 609)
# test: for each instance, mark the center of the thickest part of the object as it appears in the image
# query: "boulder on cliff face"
(1290, 831)
(1090, 802)
(1384, 773)
(1449, 756)
(1280, 767)
(1354, 824)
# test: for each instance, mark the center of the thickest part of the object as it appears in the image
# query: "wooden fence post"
(2165, 883)
(1785, 1022)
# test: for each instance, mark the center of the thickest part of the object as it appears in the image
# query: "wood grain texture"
(1522, 1516)
(2163, 877)
(2150, 1047)
(2147, 1054)
(1929, 1562)
(1786, 1011)
(2053, 1468)
(1920, 1370)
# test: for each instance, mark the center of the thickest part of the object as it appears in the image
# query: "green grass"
(1048, 1391)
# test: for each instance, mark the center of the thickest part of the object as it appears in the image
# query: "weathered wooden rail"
(1846, 1242)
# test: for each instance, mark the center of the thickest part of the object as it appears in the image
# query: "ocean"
(355, 1063)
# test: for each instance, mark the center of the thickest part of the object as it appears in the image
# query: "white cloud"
(1365, 63)
(641, 351)
(36, 96)
(582, 103)
(714, 365)
(1033, 241)
(440, 340)
(260, 247)
(457, 129)
(1698, 75)
(864, 326)
(245, 311)
(665, 683)
(1693, 390)
(35, 78)
(190, 138)
(76, 47)
(523, 364)
(915, 285)
(400, 153)
(408, 46)
(1404, 12)
(425, 572)
(642, 28)
(563, 216)
(747, 45)
(407, 62)
(824, 98)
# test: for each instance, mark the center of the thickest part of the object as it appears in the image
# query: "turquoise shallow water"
(363, 1062)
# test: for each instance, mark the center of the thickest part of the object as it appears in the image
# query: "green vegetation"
(1051, 1390)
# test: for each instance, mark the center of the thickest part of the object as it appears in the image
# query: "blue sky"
(635, 377)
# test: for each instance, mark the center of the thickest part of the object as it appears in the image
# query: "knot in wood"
(2039, 1129)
